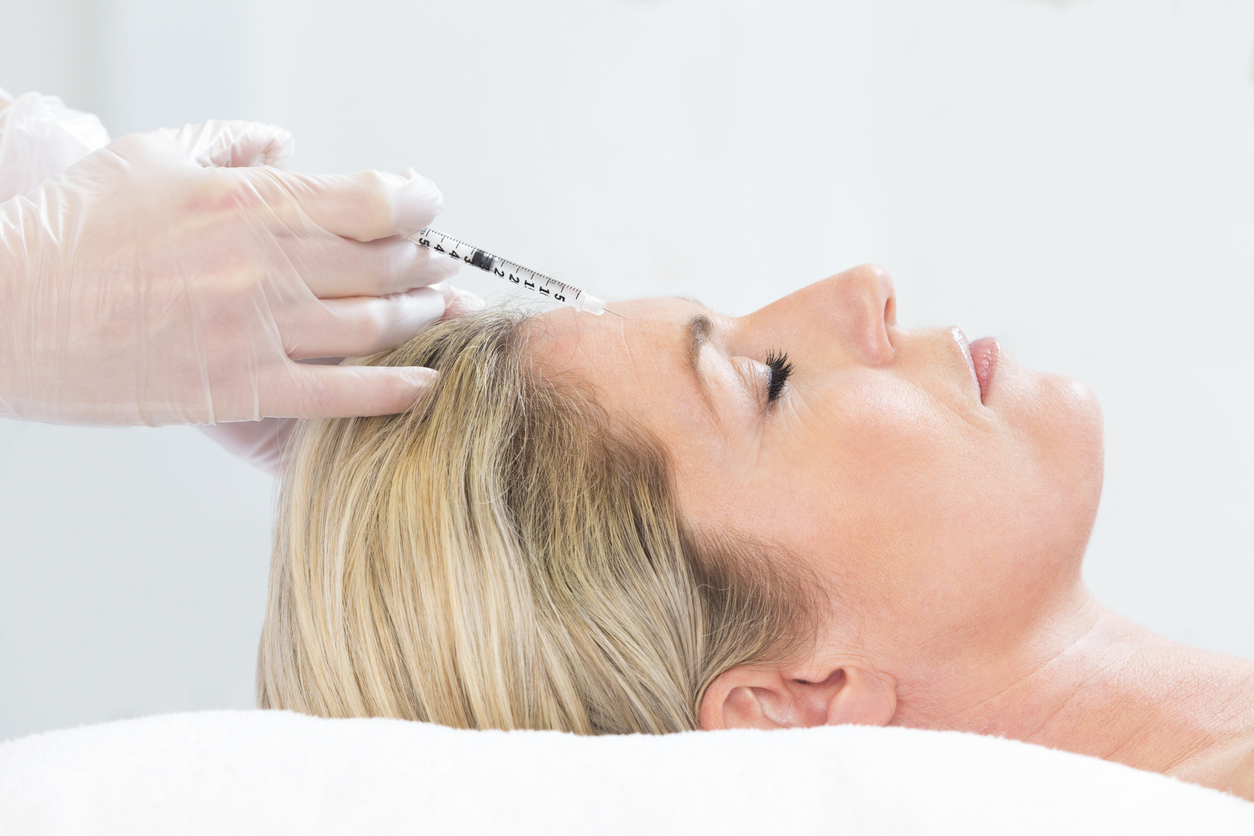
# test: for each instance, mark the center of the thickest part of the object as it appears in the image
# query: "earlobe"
(866, 698)
(767, 698)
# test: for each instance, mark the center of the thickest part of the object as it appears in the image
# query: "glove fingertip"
(282, 149)
(423, 306)
(421, 377)
(411, 383)
(353, 391)
(415, 203)
(459, 302)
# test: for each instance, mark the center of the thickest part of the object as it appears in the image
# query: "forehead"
(647, 330)
(637, 363)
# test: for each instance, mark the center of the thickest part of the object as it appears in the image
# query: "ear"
(764, 697)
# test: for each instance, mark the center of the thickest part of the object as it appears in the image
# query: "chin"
(1060, 419)
(1073, 452)
(1080, 427)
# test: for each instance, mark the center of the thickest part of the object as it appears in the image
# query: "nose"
(859, 306)
(867, 307)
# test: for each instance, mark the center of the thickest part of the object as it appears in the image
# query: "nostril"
(890, 311)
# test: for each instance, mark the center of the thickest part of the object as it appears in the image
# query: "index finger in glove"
(362, 326)
(335, 267)
(364, 206)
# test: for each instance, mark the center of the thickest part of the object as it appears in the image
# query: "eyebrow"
(699, 329)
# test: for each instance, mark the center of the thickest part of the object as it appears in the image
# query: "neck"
(1091, 682)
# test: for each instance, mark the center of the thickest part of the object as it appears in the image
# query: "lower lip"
(985, 354)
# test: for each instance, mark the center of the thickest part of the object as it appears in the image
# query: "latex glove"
(261, 443)
(41, 137)
(176, 277)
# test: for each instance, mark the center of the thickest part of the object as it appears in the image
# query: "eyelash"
(781, 370)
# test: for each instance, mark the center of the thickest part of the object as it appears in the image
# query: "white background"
(1075, 178)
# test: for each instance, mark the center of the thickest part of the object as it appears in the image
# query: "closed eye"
(781, 370)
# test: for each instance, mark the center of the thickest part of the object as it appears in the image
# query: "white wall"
(1076, 178)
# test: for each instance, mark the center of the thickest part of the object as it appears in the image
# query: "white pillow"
(276, 772)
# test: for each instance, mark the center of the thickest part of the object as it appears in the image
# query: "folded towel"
(275, 772)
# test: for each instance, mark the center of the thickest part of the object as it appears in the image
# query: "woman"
(677, 520)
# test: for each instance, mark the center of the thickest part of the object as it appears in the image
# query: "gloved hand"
(176, 277)
(260, 443)
(40, 137)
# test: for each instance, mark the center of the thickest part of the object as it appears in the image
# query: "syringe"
(511, 271)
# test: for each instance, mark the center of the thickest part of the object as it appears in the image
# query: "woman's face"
(933, 506)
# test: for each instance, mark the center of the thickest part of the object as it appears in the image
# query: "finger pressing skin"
(364, 206)
(351, 391)
(364, 325)
(334, 267)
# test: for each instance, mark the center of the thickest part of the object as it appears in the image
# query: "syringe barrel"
(510, 271)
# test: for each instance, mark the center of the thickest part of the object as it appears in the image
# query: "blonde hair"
(503, 556)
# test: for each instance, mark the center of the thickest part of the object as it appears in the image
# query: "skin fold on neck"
(1089, 681)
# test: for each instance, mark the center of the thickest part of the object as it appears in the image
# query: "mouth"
(982, 358)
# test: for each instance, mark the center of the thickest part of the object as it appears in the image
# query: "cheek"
(875, 471)
(895, 449)
(896, 486)
(900, 501)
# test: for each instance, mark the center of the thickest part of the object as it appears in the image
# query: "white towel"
(271, 772)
